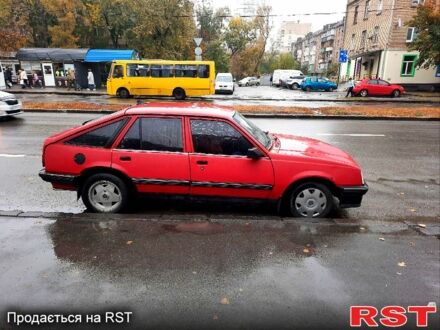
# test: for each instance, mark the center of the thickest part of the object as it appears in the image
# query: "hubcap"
(105, 196)
(310, 203)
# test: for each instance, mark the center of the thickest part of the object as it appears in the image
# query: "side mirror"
(254, 153)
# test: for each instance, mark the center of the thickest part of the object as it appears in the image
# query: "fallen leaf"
(381, 238)
(422, 225)
(399, 273)
(308, 245)
(215, 317)
(224, 301)
(401, 193)
(362, 228)
(270, 253)
(129, 242)
(412, 243)
(412, 210)
(241, 290)
(194, 273)
(401, 264)
(306, 250)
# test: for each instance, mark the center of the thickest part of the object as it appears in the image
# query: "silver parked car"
(249, 81)
(9, 105)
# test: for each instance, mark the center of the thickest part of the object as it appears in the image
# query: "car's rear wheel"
(258, 84)
(311, 200)
(363, 93)
(179, 94)
(331, 89)
(105, 193)
(123, 93)
(396, 93)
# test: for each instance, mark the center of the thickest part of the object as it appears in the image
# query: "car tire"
(247, 84)
(295, 86)
(395, 93)
(105, 193)
(179, 94)
(311, 200)
(363, 93)
(123, 93)
(258, 84)
(331, 89)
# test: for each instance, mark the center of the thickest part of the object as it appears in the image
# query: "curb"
(337, 100)
(261, 115)
(367, 226)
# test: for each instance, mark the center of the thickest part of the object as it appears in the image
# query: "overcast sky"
(296, 7)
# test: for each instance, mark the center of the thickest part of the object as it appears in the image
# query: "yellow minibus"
(161, 78)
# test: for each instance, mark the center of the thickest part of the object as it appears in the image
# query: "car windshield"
(254, 130)
(224, 78)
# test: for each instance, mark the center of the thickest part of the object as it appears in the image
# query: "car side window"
(156, 134)
(384, 83)
(99, 137)
(217, 137)
(372, 82)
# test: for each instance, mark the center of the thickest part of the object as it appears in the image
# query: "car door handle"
(125, 158)
(202, 162)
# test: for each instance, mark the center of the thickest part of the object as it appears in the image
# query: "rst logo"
(390, 316)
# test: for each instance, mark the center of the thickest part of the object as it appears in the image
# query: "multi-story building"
(330, 41)
(289, 32)
(377, 36)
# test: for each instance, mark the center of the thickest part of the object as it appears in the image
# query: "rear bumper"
(64, 179)
(351, 196)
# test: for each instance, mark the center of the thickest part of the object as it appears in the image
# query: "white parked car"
(249, 81)
(9, 105)
(280, 76)
(224, 83)
(294, 82)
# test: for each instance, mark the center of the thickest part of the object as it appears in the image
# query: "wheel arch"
(283, 201)
(123, 88)
(103, 170)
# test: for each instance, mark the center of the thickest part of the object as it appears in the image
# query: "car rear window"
(99, 137)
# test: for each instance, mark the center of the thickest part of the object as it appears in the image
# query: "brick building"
(377, 36)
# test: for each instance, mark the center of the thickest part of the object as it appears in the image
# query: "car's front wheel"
(363, 93)
(311, 200)
(105, 193)
(396, 93)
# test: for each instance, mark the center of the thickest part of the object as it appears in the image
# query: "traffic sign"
(198, 41)
(343, 56)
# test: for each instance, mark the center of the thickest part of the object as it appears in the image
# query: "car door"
(384, 87)
(152, 154)
(373, 87)
(219, 165)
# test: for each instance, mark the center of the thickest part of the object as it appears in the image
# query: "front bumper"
(351, 196)
(10, 109)
(58, 178)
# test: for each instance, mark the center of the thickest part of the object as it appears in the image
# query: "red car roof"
(181, 108)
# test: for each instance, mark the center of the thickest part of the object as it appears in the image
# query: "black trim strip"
(204, 184)
(162, 182)
(57, 178)
(232, 185)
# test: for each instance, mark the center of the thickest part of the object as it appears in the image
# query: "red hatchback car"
(377, 87)
(198, 150)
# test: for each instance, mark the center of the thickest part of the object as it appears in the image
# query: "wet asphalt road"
(400, 161)
(223, 274)
(173, 264)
